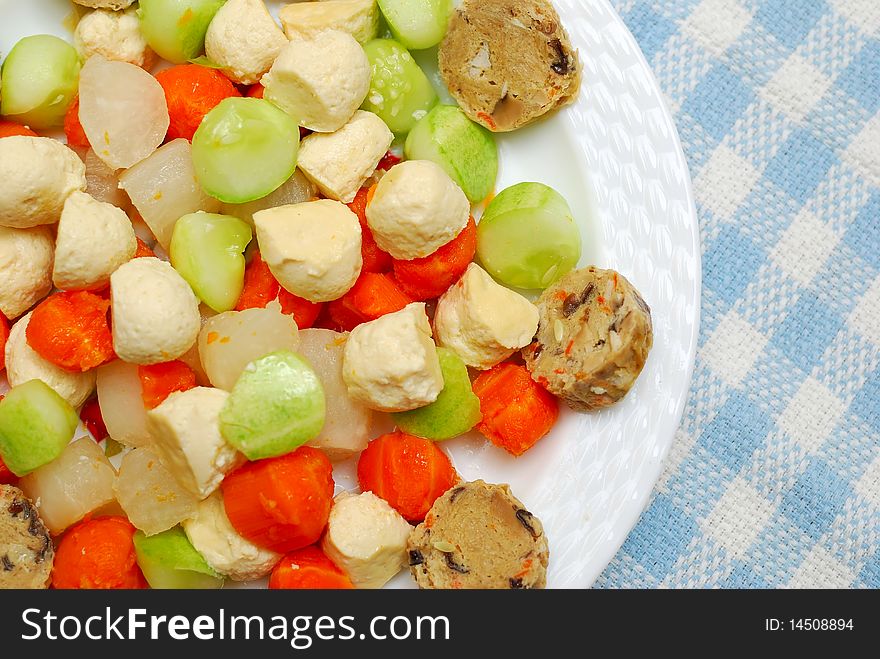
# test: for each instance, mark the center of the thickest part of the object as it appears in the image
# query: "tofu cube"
(482, 321)
(25, 268)
(185, 430)
(359, 18)
(391, 364)
(321, 80)
(366, 538)
(244, 39)
(339, 163)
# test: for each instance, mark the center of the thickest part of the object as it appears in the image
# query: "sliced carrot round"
(71, 330)
(281, 503)
(73, 130)
(98, 554)
(375, 260)
(260, 285)
(373, 295)
(409, 472)
(143, 250)
(11, 129)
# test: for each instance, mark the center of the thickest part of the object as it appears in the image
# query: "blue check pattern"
(774, 476)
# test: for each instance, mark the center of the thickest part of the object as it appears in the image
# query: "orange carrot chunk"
(281, 503)
(375, 260)
(409, 472)
(191, 92)
(158, 381)
(373, 295)
(98, 554)
(260, 286)
(517, 411)
(71, 330)
(429, 277)
(341, 318)
(4, 334)
(256, 91)
(143, 250)
(305, 313)
(11, 129)
(73, 130)
(93, 420)
(308, 569)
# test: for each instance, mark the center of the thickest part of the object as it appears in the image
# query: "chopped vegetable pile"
(230, 275)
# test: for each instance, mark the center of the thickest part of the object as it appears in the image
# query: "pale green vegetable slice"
(38, 81)
(417, 24)
(35, 426)
(465, 150)
(169, 561)
(244, 149)
(208, 251)
(276, 406)
(456, 410)
(527, 237)
(176, 29)
(400, 92)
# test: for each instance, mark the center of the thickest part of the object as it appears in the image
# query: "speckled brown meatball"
(593, 338)
(26, 551)
(508, 62)
(479, 535)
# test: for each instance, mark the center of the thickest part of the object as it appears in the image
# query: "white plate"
(616, 157)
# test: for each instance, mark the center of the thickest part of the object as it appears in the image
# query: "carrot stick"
(158, 381)
(281, 503)
(429, 277)
(517, 411)
(409, 472)
(308, 569)
(73, 130)
(375, 260)
(71, 330)
(191, 92)
(98, 554)
(11, 129)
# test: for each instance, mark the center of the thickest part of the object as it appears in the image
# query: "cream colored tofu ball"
(339, 163)
(155, 313)
(320, 81)
(482, 321)
(213, 536)
(25, 268)
(244, 40)
(312, 248)
(23, 364)
(37, 174)
(94, 238)
(416, 210)
(390, 364)
(185, 429)
(366, 538)
(115, 35)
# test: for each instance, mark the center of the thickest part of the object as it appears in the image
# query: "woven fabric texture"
(774, 476)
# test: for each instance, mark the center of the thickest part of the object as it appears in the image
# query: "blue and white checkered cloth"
(774, 476)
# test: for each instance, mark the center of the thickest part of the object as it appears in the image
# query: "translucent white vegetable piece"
(122, 403)
(78, 482)
(346, 428)
(230, 341)
(163, 188)
(153, 500)
(295, 190)
(122, 110)
(103, 182)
